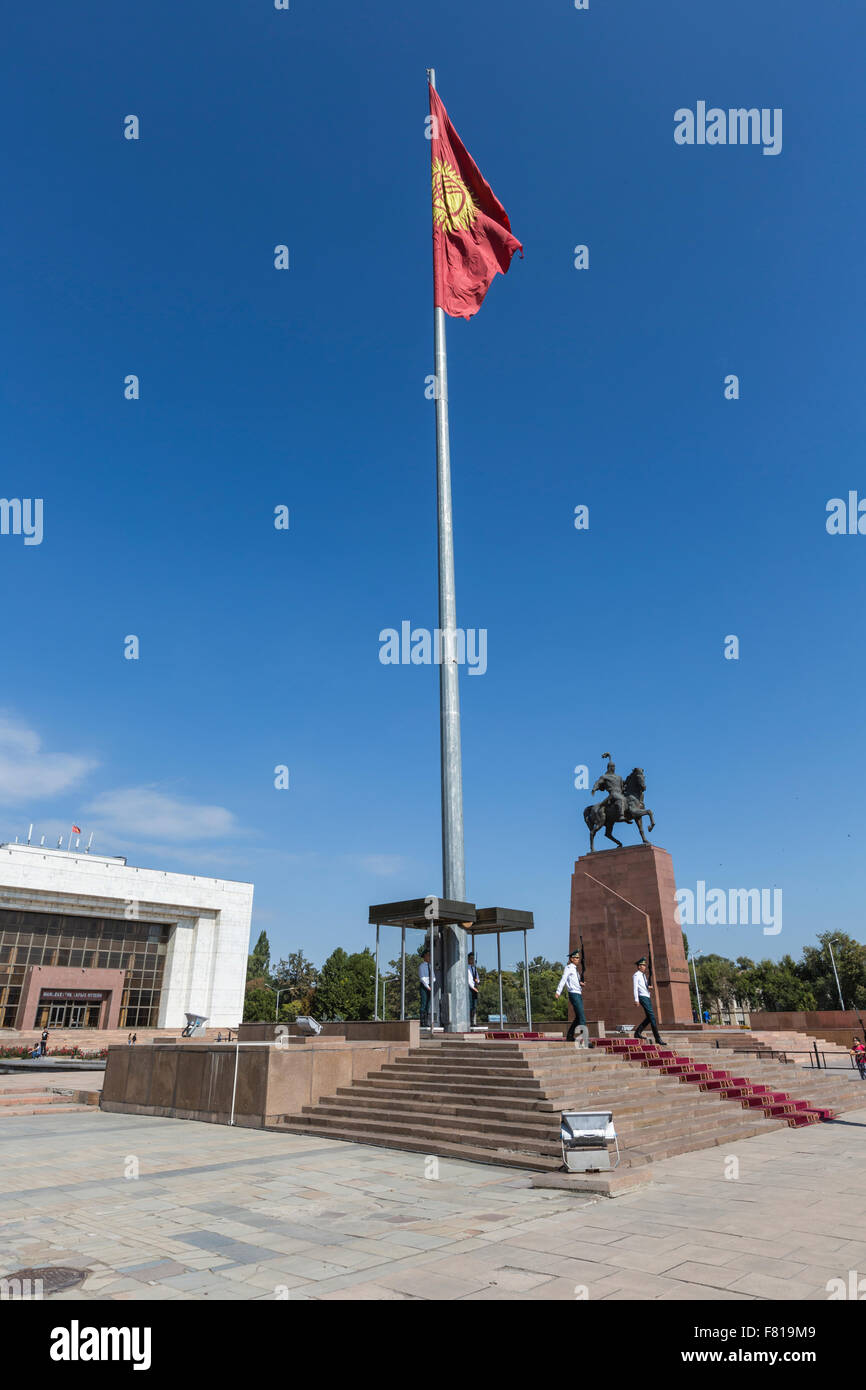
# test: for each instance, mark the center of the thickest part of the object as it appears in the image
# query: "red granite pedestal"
(615, 933)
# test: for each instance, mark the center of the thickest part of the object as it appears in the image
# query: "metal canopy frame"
(419, 914)
(426, 914)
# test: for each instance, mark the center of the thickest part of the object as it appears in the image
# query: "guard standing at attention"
(425, 978)
(474, 980)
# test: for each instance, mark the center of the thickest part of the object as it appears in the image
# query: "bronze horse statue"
(624, 805)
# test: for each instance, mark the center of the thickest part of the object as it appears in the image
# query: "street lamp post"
(836, 973)
(697, 991)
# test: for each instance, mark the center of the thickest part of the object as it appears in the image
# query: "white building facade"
(91, 941)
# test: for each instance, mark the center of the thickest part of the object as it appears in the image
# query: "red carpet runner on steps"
(751, 1095)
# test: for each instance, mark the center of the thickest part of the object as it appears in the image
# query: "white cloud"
(380, 865)
(148, 814)
(27, 773)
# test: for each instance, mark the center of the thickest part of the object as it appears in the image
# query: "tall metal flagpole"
(455, 988)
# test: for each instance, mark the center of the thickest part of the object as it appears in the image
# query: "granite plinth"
(616, 934)
(195, 1081)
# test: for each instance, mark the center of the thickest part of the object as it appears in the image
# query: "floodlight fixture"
(309, 1026)
(585, 1136)
(194, 1024)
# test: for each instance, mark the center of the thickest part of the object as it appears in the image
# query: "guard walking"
(642, 997)
(572, 982)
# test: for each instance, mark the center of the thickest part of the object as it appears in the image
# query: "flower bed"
(73, 1053)
(79, 1053)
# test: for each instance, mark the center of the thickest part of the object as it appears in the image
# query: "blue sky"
(306, 388)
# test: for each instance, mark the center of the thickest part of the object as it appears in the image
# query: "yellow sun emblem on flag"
(453, 205)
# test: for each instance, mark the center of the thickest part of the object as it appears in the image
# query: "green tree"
(539, 965)
(345, 986)
(513, 1003)
(413, 987)
(542, 992)
(290, 1012)
(544, 976)
(774, 986)
(719, 983)
(259, 959)
(816, 970)
(259, 1005)
(295, 977)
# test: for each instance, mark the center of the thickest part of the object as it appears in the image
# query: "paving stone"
(768, 1286)
(155, 1269)
(312, 1269)
(240, 1204)
(644, 1261)
(235, 1251)
(368, 1292)
(715, 1276)
(692, 1292)
(424, 1283)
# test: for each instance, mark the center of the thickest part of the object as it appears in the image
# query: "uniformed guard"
(474, 981)
(572, 983)
(642, 997)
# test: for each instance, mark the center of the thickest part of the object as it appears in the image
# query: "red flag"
(472, 238)
(76, 830)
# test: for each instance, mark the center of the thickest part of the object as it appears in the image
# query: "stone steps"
(455, 1066)
(633, 1096)
(777, 1076)
(35, 1096)
(636, 1130)
(500, 1101)
(38, 1102)
(25, 1098)
(437, 1145)
(461, 1116)
(784, 1076)
(709, 1139)
(57, 1108)
(488, 1148)
(491, 1084)
(531, 1103)
(630, 1102)
(795, 1096)
(589, 1061)
(788, 1042)
(502, 1136)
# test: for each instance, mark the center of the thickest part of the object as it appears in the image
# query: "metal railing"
(817, 1056)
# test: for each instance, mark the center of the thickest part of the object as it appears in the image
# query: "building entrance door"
(66, 1015)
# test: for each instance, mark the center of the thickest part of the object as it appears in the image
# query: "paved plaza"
(168, 1209)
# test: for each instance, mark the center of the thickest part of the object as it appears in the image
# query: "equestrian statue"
(624, 802)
